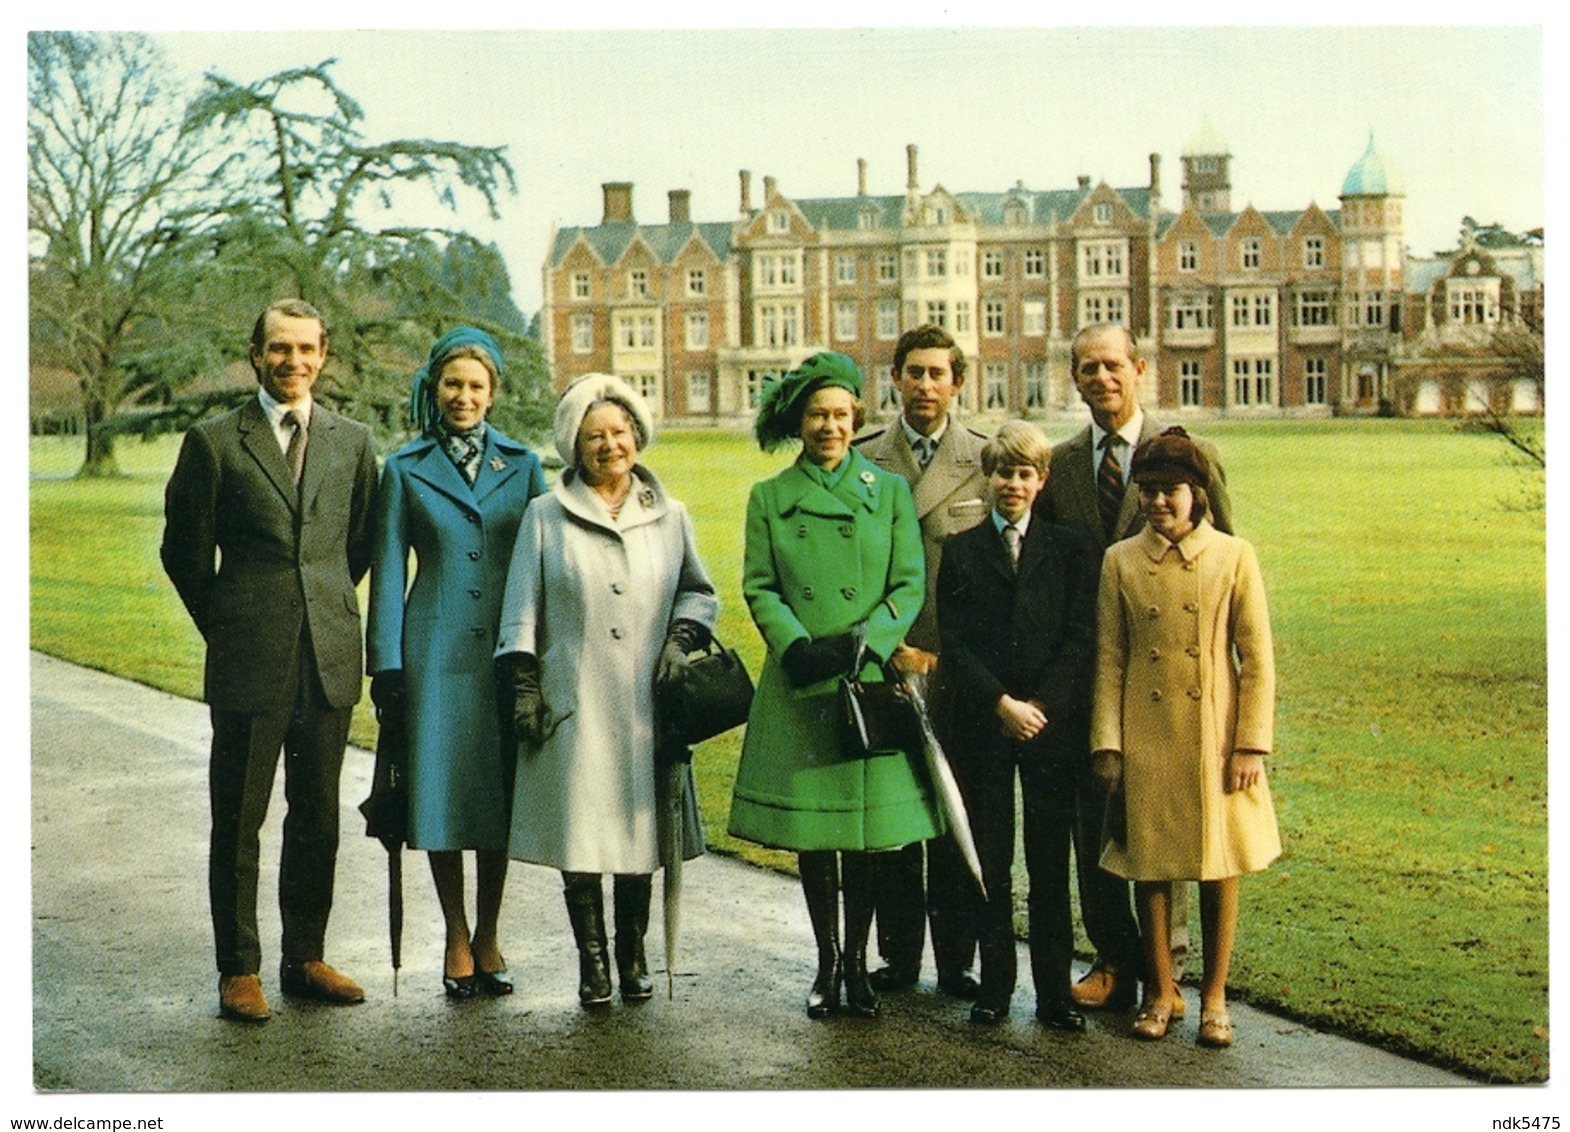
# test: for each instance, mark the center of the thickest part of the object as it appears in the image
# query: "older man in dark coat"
(267, 531)
(1088, 489)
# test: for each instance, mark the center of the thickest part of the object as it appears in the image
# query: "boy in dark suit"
(1014, 615)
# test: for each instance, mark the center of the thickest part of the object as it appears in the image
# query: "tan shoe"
(1102, 988)
(240, 997)
(1215, 1028)
(1153, 1021)
(313, 979)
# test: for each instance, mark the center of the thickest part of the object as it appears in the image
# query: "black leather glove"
(387, 690)
(520, 673)
(683, 637)
(809, 661)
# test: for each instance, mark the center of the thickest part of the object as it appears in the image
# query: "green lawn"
(1406, 584)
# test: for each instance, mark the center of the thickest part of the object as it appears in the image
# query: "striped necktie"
(294, 455)
(1109, 486)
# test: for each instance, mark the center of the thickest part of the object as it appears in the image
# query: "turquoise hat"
(784, 398)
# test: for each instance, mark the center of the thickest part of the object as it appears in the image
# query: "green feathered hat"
(784, 398)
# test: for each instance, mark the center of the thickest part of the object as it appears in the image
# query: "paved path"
(124, 995)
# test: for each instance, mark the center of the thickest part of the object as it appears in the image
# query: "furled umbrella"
(386, 811)
(673, 790)
(694, 699)
(945, 786)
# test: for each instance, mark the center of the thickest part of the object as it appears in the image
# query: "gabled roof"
(1220, 223)
(1517, 264)
(840, 213)
(665, 241)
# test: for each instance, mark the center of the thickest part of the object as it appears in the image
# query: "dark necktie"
(294, 455)
(924, 448)
(1011, 542)
(1109, 486)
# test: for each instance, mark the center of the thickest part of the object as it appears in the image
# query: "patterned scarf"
(464, 448)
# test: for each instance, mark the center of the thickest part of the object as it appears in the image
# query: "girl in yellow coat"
(1183, 718)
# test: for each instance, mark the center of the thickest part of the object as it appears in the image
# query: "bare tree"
(112, 179)
(1522, 346)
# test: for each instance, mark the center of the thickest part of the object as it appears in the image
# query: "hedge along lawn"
(1408, 599)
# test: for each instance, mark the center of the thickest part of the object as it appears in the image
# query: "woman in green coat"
(832, 543)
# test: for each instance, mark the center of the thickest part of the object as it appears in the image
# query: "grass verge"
(1407, 592)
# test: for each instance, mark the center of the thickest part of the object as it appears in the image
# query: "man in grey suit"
(1087, 488)
(941, 459)
(267, 531)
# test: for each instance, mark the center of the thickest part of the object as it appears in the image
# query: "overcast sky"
(1457, 112)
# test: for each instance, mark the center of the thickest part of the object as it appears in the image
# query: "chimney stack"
(618, 201)
(910, 168)
(1084, 182)
(746, 192)
(1155, 173)
(769, 184)
(681, 206)
(861, 176)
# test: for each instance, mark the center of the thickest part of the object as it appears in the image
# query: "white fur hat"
(585, 391)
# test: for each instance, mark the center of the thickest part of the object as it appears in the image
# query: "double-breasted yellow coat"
(1185, 674)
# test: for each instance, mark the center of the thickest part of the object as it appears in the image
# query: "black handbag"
(713, 695)
(881, 717)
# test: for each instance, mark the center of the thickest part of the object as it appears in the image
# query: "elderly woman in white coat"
(605, 597)
(1183, 719)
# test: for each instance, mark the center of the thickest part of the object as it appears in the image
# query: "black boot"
(631, 897)
(860, 998)
(586, 910)
(820, 885)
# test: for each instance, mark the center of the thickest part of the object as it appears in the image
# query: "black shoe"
(989, 1014)
(631, 894)
(1060, 1015)
(459, 987)
(494, 983)
(959, 984)
(586, 910)
(824, 997)
(895, 977)
(860, 999)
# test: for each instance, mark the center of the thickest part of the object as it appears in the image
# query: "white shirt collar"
(1129, 433)
(1023, 525)
(275, 409)
(912, 435)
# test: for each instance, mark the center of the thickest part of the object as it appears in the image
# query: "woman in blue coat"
(455, 497)
(833, 543)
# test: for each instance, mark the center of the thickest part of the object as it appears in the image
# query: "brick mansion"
(1303, 312)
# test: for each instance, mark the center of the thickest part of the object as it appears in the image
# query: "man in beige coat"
(941, 460)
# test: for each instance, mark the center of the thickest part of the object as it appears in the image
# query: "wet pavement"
(124, 995)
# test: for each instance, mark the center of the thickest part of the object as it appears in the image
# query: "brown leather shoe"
(313, 979)
(1102, 988)
(240, 997)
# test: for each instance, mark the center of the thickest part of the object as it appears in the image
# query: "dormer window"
(1014, 212)
(1102, 213)
(779, 222)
